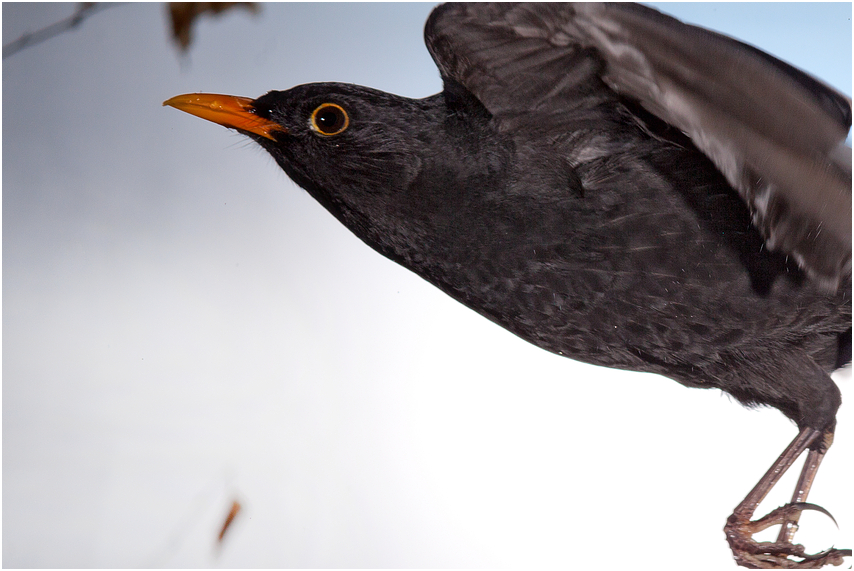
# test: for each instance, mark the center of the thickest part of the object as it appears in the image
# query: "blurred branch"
(182, 16)
(84, 10)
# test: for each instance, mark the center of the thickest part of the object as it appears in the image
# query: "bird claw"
(752, 554)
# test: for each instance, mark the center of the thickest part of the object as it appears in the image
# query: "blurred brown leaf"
(235, 509)
(184, 14)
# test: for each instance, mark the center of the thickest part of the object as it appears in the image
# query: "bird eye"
(329, 119)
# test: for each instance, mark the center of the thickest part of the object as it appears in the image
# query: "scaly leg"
(739, 528)
(802, 490)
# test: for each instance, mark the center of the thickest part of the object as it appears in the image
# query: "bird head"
(388, 167)
(337, 141)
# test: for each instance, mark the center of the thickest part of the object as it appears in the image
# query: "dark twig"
(84, 10)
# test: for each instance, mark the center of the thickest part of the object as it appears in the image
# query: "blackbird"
(611, 185)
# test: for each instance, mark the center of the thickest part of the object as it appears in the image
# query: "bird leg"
(802, 490)
(739, 528)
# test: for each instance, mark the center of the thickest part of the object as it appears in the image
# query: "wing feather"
(776, 133)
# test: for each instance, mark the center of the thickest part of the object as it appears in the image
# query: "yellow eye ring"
(329, 119)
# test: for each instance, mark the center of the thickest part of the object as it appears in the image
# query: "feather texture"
(776, 133)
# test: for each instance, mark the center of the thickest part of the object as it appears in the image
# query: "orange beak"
(226, 110)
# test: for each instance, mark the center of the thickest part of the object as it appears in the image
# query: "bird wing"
(776, 133)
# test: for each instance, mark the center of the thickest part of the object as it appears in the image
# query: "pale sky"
(183, 326)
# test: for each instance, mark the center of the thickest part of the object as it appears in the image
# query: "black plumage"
(611, 185)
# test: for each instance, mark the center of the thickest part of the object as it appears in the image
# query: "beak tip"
(173, 101)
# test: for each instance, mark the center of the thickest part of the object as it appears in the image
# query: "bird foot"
(752, 554)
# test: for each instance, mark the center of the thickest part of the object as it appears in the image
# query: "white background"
(184, 327)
